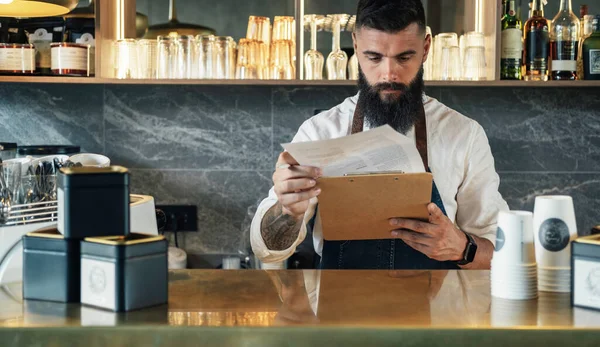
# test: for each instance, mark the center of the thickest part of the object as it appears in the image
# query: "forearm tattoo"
(278, 230)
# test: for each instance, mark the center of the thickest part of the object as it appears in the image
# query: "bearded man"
(392, 45)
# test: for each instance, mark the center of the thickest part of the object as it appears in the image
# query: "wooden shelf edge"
(299, 83)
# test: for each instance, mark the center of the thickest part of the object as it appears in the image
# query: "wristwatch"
(470, 251)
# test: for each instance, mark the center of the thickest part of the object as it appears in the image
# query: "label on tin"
(586, 282)
(98, 286)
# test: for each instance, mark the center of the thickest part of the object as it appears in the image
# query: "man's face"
(391, 58)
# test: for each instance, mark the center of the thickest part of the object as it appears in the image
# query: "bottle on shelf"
(512, 45)
(583, 11)
(591, 52)
(564, 43)
(537, 44)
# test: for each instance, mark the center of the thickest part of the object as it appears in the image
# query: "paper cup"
(554, 228)
(91, 159)
(510, 313)
(514, 238)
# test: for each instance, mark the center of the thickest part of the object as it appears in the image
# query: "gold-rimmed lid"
(131, 239)
(47, 233)
(592, 239)
(90, 170)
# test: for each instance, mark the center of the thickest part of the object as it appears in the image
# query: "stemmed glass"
(313, 59)
(353, 63)
(337, 61)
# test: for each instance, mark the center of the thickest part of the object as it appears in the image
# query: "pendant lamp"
(174, 27)
(36, 8)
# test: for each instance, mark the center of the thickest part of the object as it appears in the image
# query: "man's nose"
(389, 73)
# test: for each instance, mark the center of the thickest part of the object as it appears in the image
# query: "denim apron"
(384, 254)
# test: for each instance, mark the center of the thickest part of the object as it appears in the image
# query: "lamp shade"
(36, 8)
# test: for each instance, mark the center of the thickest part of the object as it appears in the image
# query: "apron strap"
(420, 131)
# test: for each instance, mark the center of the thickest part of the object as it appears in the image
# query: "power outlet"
(182, 217)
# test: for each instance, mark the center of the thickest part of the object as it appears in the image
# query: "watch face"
(469, 251)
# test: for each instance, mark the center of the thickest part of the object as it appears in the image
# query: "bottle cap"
(583, 10)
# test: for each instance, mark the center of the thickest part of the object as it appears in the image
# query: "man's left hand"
(439, 239)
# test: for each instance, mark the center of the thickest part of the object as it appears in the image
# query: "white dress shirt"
(459, 157)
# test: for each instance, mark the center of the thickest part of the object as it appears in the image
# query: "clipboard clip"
(374, 173)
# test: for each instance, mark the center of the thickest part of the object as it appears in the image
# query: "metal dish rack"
(37, 212)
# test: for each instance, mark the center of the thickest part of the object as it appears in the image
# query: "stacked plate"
(554, 279)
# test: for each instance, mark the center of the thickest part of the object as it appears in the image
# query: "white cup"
(25, 164)
(48, 158)
(554, 228)
(91, 159)
(514, 239)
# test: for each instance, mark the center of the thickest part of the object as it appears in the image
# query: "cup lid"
(47, 149)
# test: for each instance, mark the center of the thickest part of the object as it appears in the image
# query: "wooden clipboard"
(358, 207)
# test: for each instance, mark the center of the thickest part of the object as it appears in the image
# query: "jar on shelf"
(17, 59)
(71, 59)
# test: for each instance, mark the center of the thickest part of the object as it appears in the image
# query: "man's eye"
(375, 59)
(404, 59)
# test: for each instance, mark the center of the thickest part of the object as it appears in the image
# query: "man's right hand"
(295, 185)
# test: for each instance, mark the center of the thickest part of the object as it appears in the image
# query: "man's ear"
(426, 48)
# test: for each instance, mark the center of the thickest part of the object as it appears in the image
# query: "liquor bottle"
(591, 53)
(583, 11)
(512, 44)
(537, 44)
(564, 43)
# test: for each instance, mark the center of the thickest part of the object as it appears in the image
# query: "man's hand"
(295, 185)
(440, 239)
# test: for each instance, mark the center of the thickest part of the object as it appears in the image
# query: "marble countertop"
(248, 307)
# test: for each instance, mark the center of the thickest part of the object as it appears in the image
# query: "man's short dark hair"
(390, 16)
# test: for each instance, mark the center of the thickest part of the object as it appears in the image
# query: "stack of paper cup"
(510, 313)
(554, 228)
(514, 270)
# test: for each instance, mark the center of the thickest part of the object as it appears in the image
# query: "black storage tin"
(124, 273)
(585, 272)
(93, 202)
(51, 269)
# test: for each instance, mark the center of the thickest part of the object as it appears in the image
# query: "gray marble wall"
(215, 146)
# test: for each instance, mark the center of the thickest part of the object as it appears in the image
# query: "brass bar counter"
(312, 308)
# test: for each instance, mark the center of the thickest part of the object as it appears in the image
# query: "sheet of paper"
(377, 150)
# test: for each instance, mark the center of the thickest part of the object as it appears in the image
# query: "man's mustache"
(387, 86)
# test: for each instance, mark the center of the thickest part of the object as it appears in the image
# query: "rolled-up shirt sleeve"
(260, 249)
(478, 198)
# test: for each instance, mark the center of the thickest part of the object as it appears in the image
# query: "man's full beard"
(400, 112)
